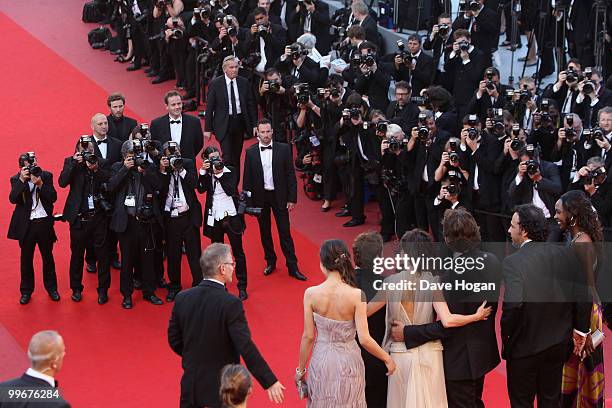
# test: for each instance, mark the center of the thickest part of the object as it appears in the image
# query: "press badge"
(317, 178)
(314, 141)
(210, 220)
(174, 212)
(90, 202)
(177, 202)
(130, 201)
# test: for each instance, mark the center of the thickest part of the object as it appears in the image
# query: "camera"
(176, 161)
(334, 93)
(473, 132)
(172, 146)
(382, 126)
(497, 117)
(177, 33)
(163, 3)
(464, 46)
(216, 163)
(368, 59)
(598, 134)
(570, 134)
(297, 52)
(145, 211)
(84, 141)
(351, 113)
(589, 86)
(443, 29)
(571, 76)
(419, 100)
(524, 94)
(423, 130)
(30, 158)
(252, 60)
(203, 12)
(489, 75)
(242, 205)
(273, 86)
(516, 143)
(395, 145)
(544, 113)
(90, 158)
(302, 93)
(597, 176)
(144, 130)
(402, 52)
(532, 167)
(101, 201)
(149, 145)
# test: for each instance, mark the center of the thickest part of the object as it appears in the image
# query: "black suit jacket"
(119, 185)
(75, 176)
(27, 381)
(549, 188)
(471, 351)
(485, 30)
(208, 329)
(320, 22)
(275, 43)
(540, 308)
(283, 173)
(192, 139)
(121, 129)
(465, 78)
(422, 73)
(113, 151)
(21, 196)
(217, 106)
(189, 184)
(229, 184)
(371, 31)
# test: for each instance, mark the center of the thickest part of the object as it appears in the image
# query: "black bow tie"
(265, 147)
(178, 121)
(99, 142)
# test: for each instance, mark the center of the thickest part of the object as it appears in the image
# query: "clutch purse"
(597, 337)
(300, 383)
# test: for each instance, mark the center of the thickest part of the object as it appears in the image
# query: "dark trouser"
(158, 253)
(190, 71)
(538, 375)
(89, 233)
(357, 192)
(491, 226)
(181, 230)
(330, 175)
(232, 227)
(386, 202)
(137, 244)
(465, 393)
(111, 243)
(404, 213)
(281, 216)
(231, 145)
(40, 232)
(178, 56)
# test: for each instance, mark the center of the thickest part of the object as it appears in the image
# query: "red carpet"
(52, 84)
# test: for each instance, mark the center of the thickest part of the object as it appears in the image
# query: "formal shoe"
(242, 294)
(353, 222)
(116, 52)
(162, 284)
(152, 74)
(137, 284)
(116, 264)
(145, 63)
(133, 67)
(171, 295)
(77, 296)
(325, 209)
(102, 298)
(269, 269)
(127, 302)
(297, 275)
(146, 71)
(25, 299)
(154, 300)
(158, 80)
(54, 296)
(345, 212)
(91, 268)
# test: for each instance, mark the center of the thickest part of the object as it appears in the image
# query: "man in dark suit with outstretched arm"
(269, 176)
(230, 111)
(185, 130)
(208, 329)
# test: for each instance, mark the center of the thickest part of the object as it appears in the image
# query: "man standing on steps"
(269, 176)
(119, 125)
(230, 111)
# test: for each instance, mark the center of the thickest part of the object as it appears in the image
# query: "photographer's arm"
(190, 178)
(47, 191)
(551, 184)
(118, 174)
(65, 176)
(176, 8)
(18, 188)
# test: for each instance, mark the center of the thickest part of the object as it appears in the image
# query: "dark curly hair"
(581, 213)
(335, 256)
(460, 230)
(533, 222)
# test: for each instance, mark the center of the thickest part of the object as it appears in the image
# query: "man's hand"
(78, 157)
(384, 145)
(465, 55)
(206, 164)
(522, 169)
(397, 331)
(584, 171)
(254, 29)
(507, 144)
(255, 131)
(604, 144)
(36, 180)
(307, 159)
(290, 206)
(398, 61)
(443, 194)
(456, 47)
(275, 392)
(482, 87)
(128, 162)
(207, 135)
(222, 32)
(24, 174)
(561, 78)
(471, 143)
(164, 163)
(445, 159)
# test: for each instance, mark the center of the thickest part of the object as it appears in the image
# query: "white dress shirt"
(38, 211)
(266, 164)
(229, 96)
(181, 202)
(536, 199)
(176, 130)
(103, 147)
(223, 205)
(308, 22)
(37, 374)
(263, 61)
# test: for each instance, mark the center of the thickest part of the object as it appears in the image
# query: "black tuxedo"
(30, 233)
(285, 191)
(233, 226)
(441, 49)
(184, 227)
(484, 31)
(375, 86)
(27, 381)
(192, 139)
(407, 117)
(230, 130)
(422, 73)
(208, 329)
(480, 106)
(113, 151)
(319, 27)
(549, 188)
(539, 313)
(465, 78)
(589, 113)
(309, 72)
(274, 43)
(561, 95)
(569, 154)
(122, 128)
(471, 351)
(371, 30)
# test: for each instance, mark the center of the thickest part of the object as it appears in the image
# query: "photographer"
(362, 18)
(565, 90)
(523, 103)
(230, 41)
(425, 150)
(274, 101)
(372, 81)
(182, 216)
(296, 64)
(604, 119)
(33, 195)
(174, 35)
(162, 11)
(593, 96)
(134, 183)
(593, 180)
(440, 41)
(220, 183)
(449, 197)
(441, 102)
(464, 67)
(419, 64)
(482, 23)
(392, 181)
(537, 182)
(544, 133)
(489, 95)
(87, 210)
(265, 39)
(119, 125)
(452, 159)
(273, 16)
(403, 111)
(200, 33)
(355, 35)
(309, 16)
(138, 13)
(569, 150)
(105, 147)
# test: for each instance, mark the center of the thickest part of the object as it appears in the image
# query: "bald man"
(46, 353)
(105, 146)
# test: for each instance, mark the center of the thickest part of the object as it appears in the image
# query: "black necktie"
(233, 98)
(99, 142)
(265, 147)
(175, 121)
